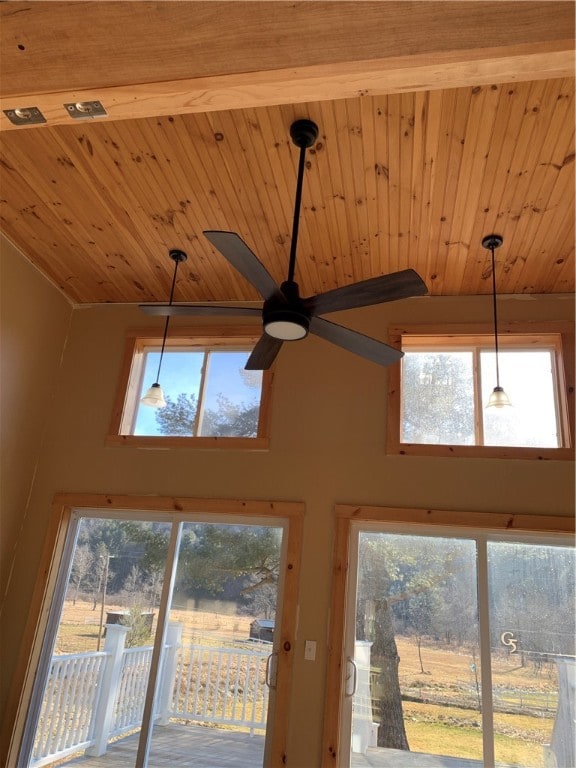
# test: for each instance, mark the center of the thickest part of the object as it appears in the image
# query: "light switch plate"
(310, 650)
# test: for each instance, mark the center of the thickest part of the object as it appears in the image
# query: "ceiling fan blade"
(235, 250)
(362, 345)
(376, 290)
(197, 310)
(264, 353)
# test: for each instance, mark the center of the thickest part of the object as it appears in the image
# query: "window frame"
(480, 526)
(558, 335)
(221, 337)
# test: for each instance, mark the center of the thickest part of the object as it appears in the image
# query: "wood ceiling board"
(476, 142)
(284, 53)
(530, 177)
(157, 183)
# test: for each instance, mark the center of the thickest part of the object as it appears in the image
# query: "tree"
(101, 563)
(139, 633)
(229, 419)
(419, 611)
(215, 559)
(133, 585)
(261, 600)
(81, 567)
(220, 555)
(438, 397)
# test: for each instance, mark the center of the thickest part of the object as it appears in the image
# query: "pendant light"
(154, 397)
(498, 398)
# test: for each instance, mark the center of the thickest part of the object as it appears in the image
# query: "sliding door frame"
(67, 507)
(347, 519)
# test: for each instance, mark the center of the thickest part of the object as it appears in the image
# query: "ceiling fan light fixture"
(286, 330)
(154, 397)
(286, 320)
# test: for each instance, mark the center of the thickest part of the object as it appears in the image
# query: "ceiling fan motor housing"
(286, 320)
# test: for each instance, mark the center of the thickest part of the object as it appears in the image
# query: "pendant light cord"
(176, 262)
(495, 316)
(295, 222)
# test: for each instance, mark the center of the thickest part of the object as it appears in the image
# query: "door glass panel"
(213, 698)
(533, 664)
(99, 662)
(416, 652)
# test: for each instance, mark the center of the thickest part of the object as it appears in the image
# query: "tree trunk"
(419, 645)
(391, 733)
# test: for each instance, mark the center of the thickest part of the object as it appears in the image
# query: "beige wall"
(34, 321)
(327, 447)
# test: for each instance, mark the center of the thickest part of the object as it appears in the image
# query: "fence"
(93, 697)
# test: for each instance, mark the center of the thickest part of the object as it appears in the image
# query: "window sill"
(195, 443)
(482, 452)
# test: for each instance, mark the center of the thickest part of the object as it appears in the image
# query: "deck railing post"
(104, 713)
(172, 645)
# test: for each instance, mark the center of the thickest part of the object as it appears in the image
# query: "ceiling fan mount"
(285, 315)
(303, 133)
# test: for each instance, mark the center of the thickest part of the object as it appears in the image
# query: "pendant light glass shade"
(154, 397)
(498, 398)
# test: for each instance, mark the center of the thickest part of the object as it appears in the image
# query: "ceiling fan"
(285, 315)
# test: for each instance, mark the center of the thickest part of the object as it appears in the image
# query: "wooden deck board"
(183, 746)
(190, 746)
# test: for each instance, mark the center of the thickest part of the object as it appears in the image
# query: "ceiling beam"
(153, 59)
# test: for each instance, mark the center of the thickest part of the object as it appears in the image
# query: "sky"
(181, 372)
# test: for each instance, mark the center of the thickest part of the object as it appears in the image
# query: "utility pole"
(104, 586)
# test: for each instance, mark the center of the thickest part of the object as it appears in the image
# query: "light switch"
(310, 650)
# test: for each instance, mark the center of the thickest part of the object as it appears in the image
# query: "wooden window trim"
(63, 507)
(427, 335)
(346, 515)
(187, 337)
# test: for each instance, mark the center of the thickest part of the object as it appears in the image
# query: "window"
(438, 393)
(453, 637)
(211, 400)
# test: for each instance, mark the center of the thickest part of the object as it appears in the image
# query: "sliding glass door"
(458, 648)
(161, 642)
(220, 666)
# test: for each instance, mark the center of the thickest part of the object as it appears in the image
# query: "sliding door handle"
(271, 673)
(350, 690)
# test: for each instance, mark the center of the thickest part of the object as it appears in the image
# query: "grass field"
(440, 707)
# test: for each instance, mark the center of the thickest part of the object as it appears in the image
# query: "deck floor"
(188, 746)
(183, 746)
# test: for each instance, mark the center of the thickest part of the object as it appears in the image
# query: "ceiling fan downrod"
(303, 134)
(289, 320)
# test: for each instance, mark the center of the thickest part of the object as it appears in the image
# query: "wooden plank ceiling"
(405, 173)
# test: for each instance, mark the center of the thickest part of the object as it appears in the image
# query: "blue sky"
(181, 372)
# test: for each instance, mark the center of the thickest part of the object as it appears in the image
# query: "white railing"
(66, 722)
(221, 685)
(129, 705)
(92, 697)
